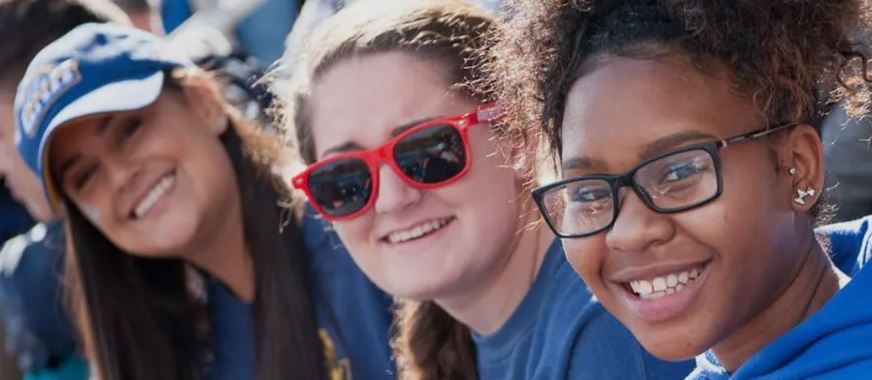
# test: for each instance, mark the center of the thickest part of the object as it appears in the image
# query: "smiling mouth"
(154, 195)
(664, 285)
(419, 231)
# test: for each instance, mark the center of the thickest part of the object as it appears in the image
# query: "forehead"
(361, 99)
(77, 136)
(626, 103)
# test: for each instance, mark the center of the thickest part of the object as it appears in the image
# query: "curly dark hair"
(790, 57)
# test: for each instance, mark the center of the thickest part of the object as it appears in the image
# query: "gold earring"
(801, 194)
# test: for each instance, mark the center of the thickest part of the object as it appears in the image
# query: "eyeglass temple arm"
(488, 112)
(754, 135)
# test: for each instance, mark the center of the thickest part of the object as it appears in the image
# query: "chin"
(413, 289)
(672, 347)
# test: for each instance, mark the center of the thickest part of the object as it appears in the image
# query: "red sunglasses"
(429, 155)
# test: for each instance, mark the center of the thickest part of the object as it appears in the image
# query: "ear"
(523, 143)
(803, 156)
(205, 101)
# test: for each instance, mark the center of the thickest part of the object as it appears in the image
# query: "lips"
(660, 293)
(663, 285)
(155, 194)
(417, 231)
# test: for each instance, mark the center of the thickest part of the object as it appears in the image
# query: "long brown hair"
(140, 320)
(428, 342)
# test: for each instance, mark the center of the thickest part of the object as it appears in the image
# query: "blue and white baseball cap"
(92, 70)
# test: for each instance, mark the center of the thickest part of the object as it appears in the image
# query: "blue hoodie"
(834, 343)
(850, 242)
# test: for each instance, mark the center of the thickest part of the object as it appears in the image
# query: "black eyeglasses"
(672, 182)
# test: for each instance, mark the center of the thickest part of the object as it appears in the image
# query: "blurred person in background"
(847, 146)
(313, 13)
(15, 218)
(255, 28)
(142, 14)
(38, 330)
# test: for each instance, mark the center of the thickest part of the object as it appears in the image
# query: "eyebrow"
(351, 146)
(667, 143)
(660, 145)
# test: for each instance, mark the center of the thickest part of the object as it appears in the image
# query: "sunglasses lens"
(432, 155)
(341, 187)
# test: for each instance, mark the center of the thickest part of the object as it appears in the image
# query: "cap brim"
(127, 95)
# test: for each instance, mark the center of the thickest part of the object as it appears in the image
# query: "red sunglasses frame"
(385, 154)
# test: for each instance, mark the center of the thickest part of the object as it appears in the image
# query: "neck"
(486, 307)
(814, 284)
(224, 254)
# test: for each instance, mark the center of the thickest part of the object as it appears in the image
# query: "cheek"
(491, 177)
(99, 212)
(355, 233)
(586, 255)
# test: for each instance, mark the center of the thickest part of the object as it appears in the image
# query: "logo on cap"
(49, 84)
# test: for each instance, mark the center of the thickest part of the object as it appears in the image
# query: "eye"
(680, 171)
(83, 177)
(589, 194)
(127, 130)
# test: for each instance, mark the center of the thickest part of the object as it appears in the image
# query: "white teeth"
(659, 284)
(664, 285)
(417, 231)
(683, 277)
(654, 295)
(153, 196)
(645, 287)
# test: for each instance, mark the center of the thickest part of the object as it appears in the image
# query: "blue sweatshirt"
(834, 343)
(353, 316)
(559, 331)
(851, 243)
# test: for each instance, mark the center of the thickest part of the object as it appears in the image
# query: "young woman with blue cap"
(416, 176)
(183, 262)
(688, 135)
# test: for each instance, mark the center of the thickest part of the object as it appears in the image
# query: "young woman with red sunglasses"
(691, 216)
(423, 187)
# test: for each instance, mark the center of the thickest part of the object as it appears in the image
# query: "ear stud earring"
(801, 194)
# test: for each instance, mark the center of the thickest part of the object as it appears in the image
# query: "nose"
(394, 194)
(637, 227)
(119, 172)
